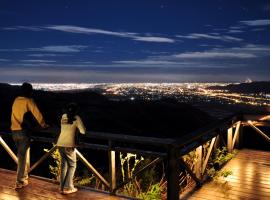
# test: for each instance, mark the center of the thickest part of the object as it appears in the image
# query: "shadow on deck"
(42, 189)
(250, 179)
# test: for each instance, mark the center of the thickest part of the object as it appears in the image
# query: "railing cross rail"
(169, 150)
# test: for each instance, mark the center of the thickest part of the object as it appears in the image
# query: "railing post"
(229, 139)
(210, 149)
(240, 138)
(198, 166)
(112, 168)
(28, 160)
(172, 175)
(235, 142)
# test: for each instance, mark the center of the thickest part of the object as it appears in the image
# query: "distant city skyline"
(134, 41)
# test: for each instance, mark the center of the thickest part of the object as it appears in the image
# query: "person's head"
(26, 89)
(72, 109)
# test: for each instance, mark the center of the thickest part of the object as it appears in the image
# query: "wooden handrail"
(171, 149)
(205, 131)
(199, 136)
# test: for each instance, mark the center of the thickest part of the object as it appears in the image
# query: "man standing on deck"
(22, 105)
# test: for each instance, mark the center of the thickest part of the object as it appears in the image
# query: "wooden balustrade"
(164, 149)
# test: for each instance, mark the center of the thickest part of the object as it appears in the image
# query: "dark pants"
(68, 167)
(23, 146)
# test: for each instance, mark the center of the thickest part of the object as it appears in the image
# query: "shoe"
(20, 185)
(60, 190)
(69, 191)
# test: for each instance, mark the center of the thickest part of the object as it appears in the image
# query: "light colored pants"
(22, 142)
(68, 167)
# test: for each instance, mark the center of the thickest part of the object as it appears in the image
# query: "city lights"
(184, 92)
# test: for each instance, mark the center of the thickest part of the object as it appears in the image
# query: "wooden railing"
(227, 132)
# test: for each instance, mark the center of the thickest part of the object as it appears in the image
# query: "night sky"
(134, 40)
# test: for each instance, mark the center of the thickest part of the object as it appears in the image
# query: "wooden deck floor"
(250, 179)
(42, 190)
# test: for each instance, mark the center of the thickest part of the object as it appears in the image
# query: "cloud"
(235, 31)
(43, 55)
(12, 50)
(134, 36)
(61, 48)
(145, 62)
(88, 62)
(53, 49)
(224, 38)
(4, 60)
(236, 27)
(28, 28)
(83, 30)
(257, 50)
(90, 31)
(81, 75)
(214, 55)
(154, 39)
(211, 45)
(39, 61)
(230, 57)
(250, 59)
(56, 65)
(248, 51)
(259, 22)
(254, 47)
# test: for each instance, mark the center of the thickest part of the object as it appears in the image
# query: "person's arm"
(80, 125)
(35, 111)
(64, 119)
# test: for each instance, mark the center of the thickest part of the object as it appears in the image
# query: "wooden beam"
(190, 172)
(208, 154)
(172, 174)
(261, 123)
(259, 131)
(236, 134)
(141, 152)
(254, 117)
(229, 139)
(46, 155)
(204, 131)
(28, 163)
(112, 170)
(92, 169)
(267, 117)
(9, 151)
(198, 165)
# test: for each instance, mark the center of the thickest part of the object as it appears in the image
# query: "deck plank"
(41, 189)
(250, 179)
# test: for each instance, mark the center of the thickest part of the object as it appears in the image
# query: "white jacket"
(67, 135)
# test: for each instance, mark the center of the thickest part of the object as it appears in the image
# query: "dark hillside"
(163, 118)
(254, 87)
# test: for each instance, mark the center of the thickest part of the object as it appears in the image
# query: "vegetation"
(213, 169)
(147, 185)
(151, 183)
(219, 158)
(190, 159)
(56, 166)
